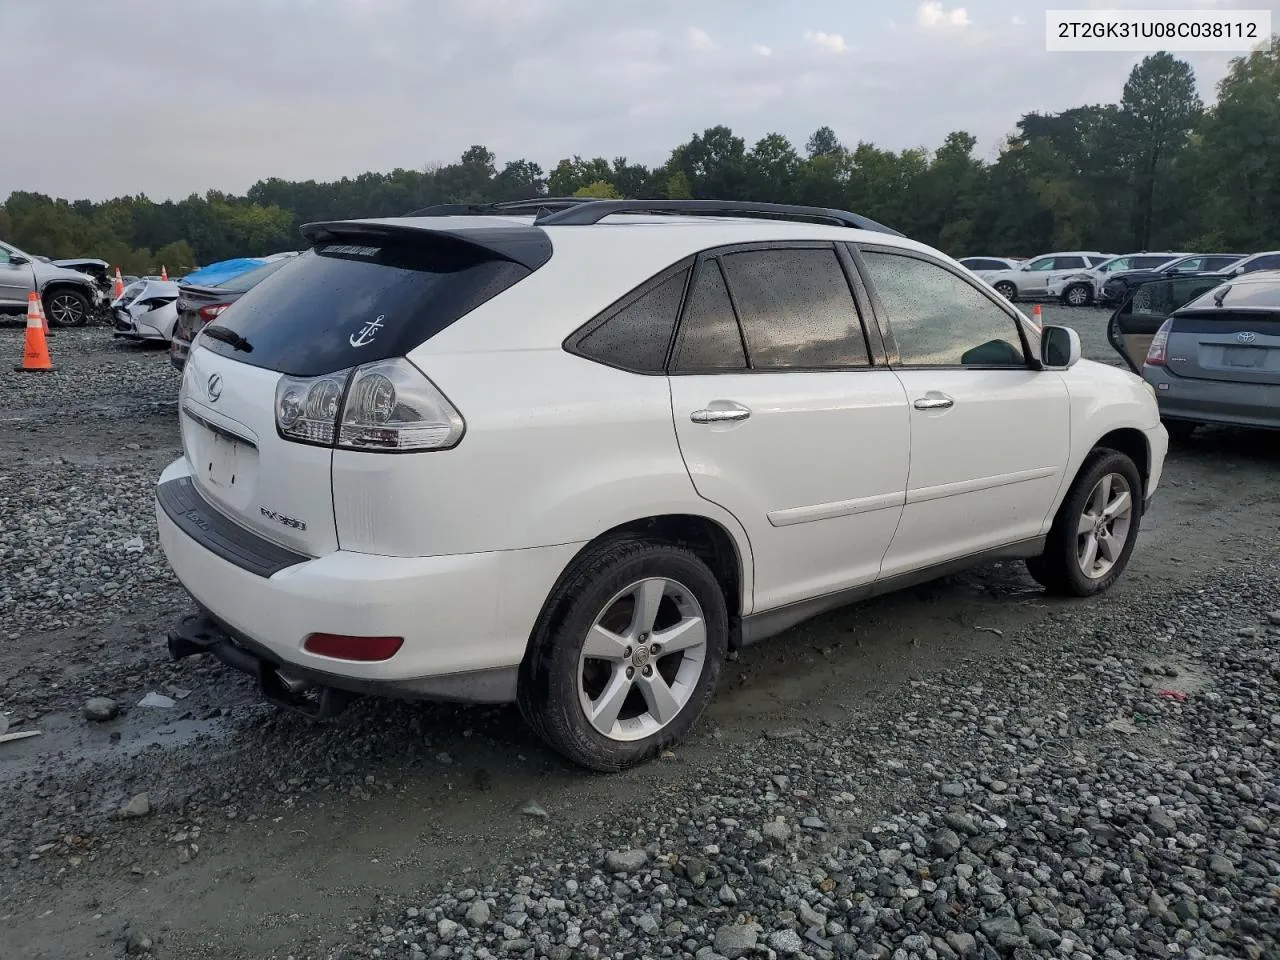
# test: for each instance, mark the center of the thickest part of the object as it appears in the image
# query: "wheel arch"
(708, 539)
(60, 283)
(1133, 443)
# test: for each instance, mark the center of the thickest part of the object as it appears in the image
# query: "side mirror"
(1059, 347)
(17, 260)
(1236, 271)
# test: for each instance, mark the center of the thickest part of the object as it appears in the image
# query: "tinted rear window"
(356, 301)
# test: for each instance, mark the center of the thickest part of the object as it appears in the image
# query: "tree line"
(1157, 170)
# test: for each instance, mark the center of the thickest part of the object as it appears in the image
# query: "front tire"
(66, 308)
(1007, 290)
(1096, 527)
(626, 655)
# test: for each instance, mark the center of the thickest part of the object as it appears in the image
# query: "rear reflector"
(364, 649)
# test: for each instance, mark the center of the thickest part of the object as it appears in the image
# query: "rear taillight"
(363, 649)
(385, 406)
(211, 311)
(1159, 346)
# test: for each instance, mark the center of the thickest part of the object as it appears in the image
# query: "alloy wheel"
(1104, 525)
(642, 659)
(1077, 296)
(65, 310)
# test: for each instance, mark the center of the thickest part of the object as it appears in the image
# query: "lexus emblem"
(215, 387)
(1246, 336)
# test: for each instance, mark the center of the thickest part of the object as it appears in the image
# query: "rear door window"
(1068, 263)
(796, 309)
(636, 336)
(359, 300)
(709, 337)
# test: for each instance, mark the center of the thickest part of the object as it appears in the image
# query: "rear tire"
(1007, 290)
(1180, 430)
(1096, 527)
(634, 624)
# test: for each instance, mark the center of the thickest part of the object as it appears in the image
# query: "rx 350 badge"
(281, 519)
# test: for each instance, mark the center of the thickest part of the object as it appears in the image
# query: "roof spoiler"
(528, 246)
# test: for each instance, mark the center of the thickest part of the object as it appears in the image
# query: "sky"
(171, 97)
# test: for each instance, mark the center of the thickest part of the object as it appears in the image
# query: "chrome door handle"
(735, 412)
(934, 403)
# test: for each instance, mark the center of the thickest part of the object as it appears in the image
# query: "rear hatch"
(361, 296)
(1235, 342)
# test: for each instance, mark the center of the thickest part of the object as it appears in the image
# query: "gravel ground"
(964, 769)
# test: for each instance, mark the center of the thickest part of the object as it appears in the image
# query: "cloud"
(761, 50)
(932, 14)
(828, 41)
(1018, 22)
(701, 40)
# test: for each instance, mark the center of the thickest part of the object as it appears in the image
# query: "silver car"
(1217, 358)
(69, 297)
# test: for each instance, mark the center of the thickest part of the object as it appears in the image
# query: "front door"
(990, 435)
(16, 281)
(783, 420)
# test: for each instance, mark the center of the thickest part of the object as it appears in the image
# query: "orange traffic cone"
(35, 358)
(35, 309)
(164, 274)
(118, 290)
(1036, 318)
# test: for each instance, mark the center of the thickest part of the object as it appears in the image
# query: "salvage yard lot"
(964, 767)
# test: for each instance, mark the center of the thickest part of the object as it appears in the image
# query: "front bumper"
(1215, 401)
(465, 619)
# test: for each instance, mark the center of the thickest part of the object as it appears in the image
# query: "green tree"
(600, 190)
(1159, 109)
(823, 142)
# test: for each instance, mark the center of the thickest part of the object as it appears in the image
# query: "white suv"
(574, 460)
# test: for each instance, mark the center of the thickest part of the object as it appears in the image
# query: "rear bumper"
(1215, 401)
(465, 619)
(178, 352)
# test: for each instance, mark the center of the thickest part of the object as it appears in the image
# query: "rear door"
(788, 417)
(1133, 325)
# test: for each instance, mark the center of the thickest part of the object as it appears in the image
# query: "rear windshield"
(355, 301)
(1253, 295)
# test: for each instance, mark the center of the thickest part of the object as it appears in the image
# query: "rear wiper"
(227, 335)
(1221, 294)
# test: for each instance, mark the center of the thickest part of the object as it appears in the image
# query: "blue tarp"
(219, 272)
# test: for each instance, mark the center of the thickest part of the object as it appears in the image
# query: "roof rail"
(535, 205)
(593, 211)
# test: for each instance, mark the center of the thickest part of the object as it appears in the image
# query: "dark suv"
(1119, 284)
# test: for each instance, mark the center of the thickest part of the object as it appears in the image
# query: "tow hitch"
(200, 634)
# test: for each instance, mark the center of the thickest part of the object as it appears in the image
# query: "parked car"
(1215, 357)
(574, 460)
(68, 296)
(147, 310)
(1117, 286)
(1084, 287)
(1031, 278)
(977, 264)
(98, 270)
(198, 304)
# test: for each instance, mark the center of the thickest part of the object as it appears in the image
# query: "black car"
(198, 305)
(1119, 284)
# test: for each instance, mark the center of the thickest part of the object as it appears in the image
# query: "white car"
(1083, 287)
(146, 310)
(988, 264)
(1030, 279)
(573, 461)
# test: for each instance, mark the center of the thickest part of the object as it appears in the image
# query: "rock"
(1273, 618)
(477, 914)
(736, 940)
(695, 870)
(625, 861)
(1253, 824)
(993, 927)
(813, 823)
(1222, 866)
(727, 896)
(101, 709)
(1041, 936)
(945, 843)
(158, 700)
(648, 923)
(534, 809)
(1162, 823)
(786, 942)
(952, 789)
(776, 832)
(447, 929)
(962, 943)
(139, 806)
(137, 943)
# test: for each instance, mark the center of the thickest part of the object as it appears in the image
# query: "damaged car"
(69, 297)
(147, 310)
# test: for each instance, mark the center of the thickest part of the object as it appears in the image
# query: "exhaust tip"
(292, 684)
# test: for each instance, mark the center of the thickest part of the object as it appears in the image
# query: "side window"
(4, 255)
(938, 319)
(1097, 261)
(709, 337)
(637, 336)
(1068, 263)
(1045, 264)
(1121, 264)
(1270, 262)
(796, 309)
